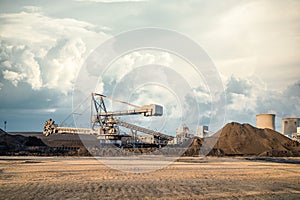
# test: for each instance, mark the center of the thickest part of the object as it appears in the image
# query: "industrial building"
(290, 128)
(183, 133)
(202, 131)
(265, 121)
(289, 125)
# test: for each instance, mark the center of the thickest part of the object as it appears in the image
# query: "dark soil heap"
(245, 140)
(2, 132)
(18, 142)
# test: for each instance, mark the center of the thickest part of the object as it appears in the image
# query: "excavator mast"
(105, 124)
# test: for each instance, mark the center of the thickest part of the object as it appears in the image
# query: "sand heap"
(244, 140)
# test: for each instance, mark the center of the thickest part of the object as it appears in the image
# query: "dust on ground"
(188, 178)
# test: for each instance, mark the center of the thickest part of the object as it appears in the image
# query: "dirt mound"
(244, 140)
(27, 145)
(14, 142)
(2, 132)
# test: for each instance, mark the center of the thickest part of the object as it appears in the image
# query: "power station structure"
(265, 121)
(105, 125)
(289, 125)
(183, 133)
(202, 131)
(291, 128)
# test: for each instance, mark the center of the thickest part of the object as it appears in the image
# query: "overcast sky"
(254, 45)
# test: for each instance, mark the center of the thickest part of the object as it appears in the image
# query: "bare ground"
(188, 178)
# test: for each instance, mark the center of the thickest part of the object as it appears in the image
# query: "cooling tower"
(265, 121)
(289, 125)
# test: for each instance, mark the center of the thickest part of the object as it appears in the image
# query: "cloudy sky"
(254, 45)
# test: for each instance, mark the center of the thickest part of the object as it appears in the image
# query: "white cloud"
(130, 61)
(21, 60)
(12, 76)
(111, 1)
(249, 96)
(6, 64)
(64, 64)
(241, 103)
(42, 51)
(32, 8)
(203, 95)
(99, 87)
(50, 110)
(256, 38)
(243, 93)
(32, 69)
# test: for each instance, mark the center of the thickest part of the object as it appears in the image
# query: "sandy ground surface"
(188, 178)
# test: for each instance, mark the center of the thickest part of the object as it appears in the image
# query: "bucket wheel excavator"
(106, 126)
